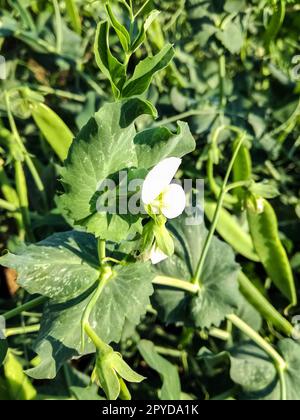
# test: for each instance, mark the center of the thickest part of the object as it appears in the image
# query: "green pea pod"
(264, 307)
(265, 236)
(230, 230)
(242, 170)
(53, 128)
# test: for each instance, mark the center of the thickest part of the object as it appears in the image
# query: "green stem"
(279, 362)
(264, 307)
(222, 76)
(176, 284)
(101, 250)
(29, 162)
(182, 116)
(22, 330)
(104, 278)
(25, 307)
(141, 9)
(99, 344)
(222, 196)
(22, 192)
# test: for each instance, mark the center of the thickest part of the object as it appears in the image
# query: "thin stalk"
(99, 344)
(22, 192)
(10, 332)
(104, 278)
(222, 76)
(176, 284)
(182, 116)
(141, 9)
(101, 250)
(29, 162)
(279, 362)
(25, 307)
(212, 230)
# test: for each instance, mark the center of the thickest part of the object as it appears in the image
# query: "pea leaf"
(125, 298)
(61, 267)
(107, 63)
(94, 157)
(18, 385)
(231, 37)
(145, 71)
(256, 373)
(156, 144)
(121, 31)
(171, 389)
(219, 294)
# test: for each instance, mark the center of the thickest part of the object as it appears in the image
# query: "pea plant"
(130, 284)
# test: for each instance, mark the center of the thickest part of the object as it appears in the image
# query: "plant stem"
(279, 362)
(141, 9)
(176, 284)
(104, 278)
(222, 76)
(182, 116)
(22, 330)
(29, 162)
(25, 307)
(222, 196)
(99, 344)
(101, 250)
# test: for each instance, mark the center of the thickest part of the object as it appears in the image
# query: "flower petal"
(173, 202)
(157, 256)
(159, 178)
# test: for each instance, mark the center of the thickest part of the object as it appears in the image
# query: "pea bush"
(116, 280)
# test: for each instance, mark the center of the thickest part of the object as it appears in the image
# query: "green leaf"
(61, 267)
(219, 294)
(231, 37)
(145, 71)
(94, 157)
(121, 31)
(125, 298)
(156, 144)
(19, 386)
(74, 15)
(55, 131)
(256, 373)
(142, 33)
(86, 394)
(171, 389)
(107, 63)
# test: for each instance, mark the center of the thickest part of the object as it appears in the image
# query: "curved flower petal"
(159, 178)
(173, 202)
(157, 256)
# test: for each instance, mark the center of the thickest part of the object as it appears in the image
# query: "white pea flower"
(156, 255)
(159, 195)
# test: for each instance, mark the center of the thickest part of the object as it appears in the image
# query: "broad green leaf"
(145, 71)
(232, 37)
(156, 144)
(107, 63)
(61, 267)
(219, 294)
(171, 389)
(86, 394)
(94, 157)
(19, 386)
(55, 131)
(125, 298)
(256, 373)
